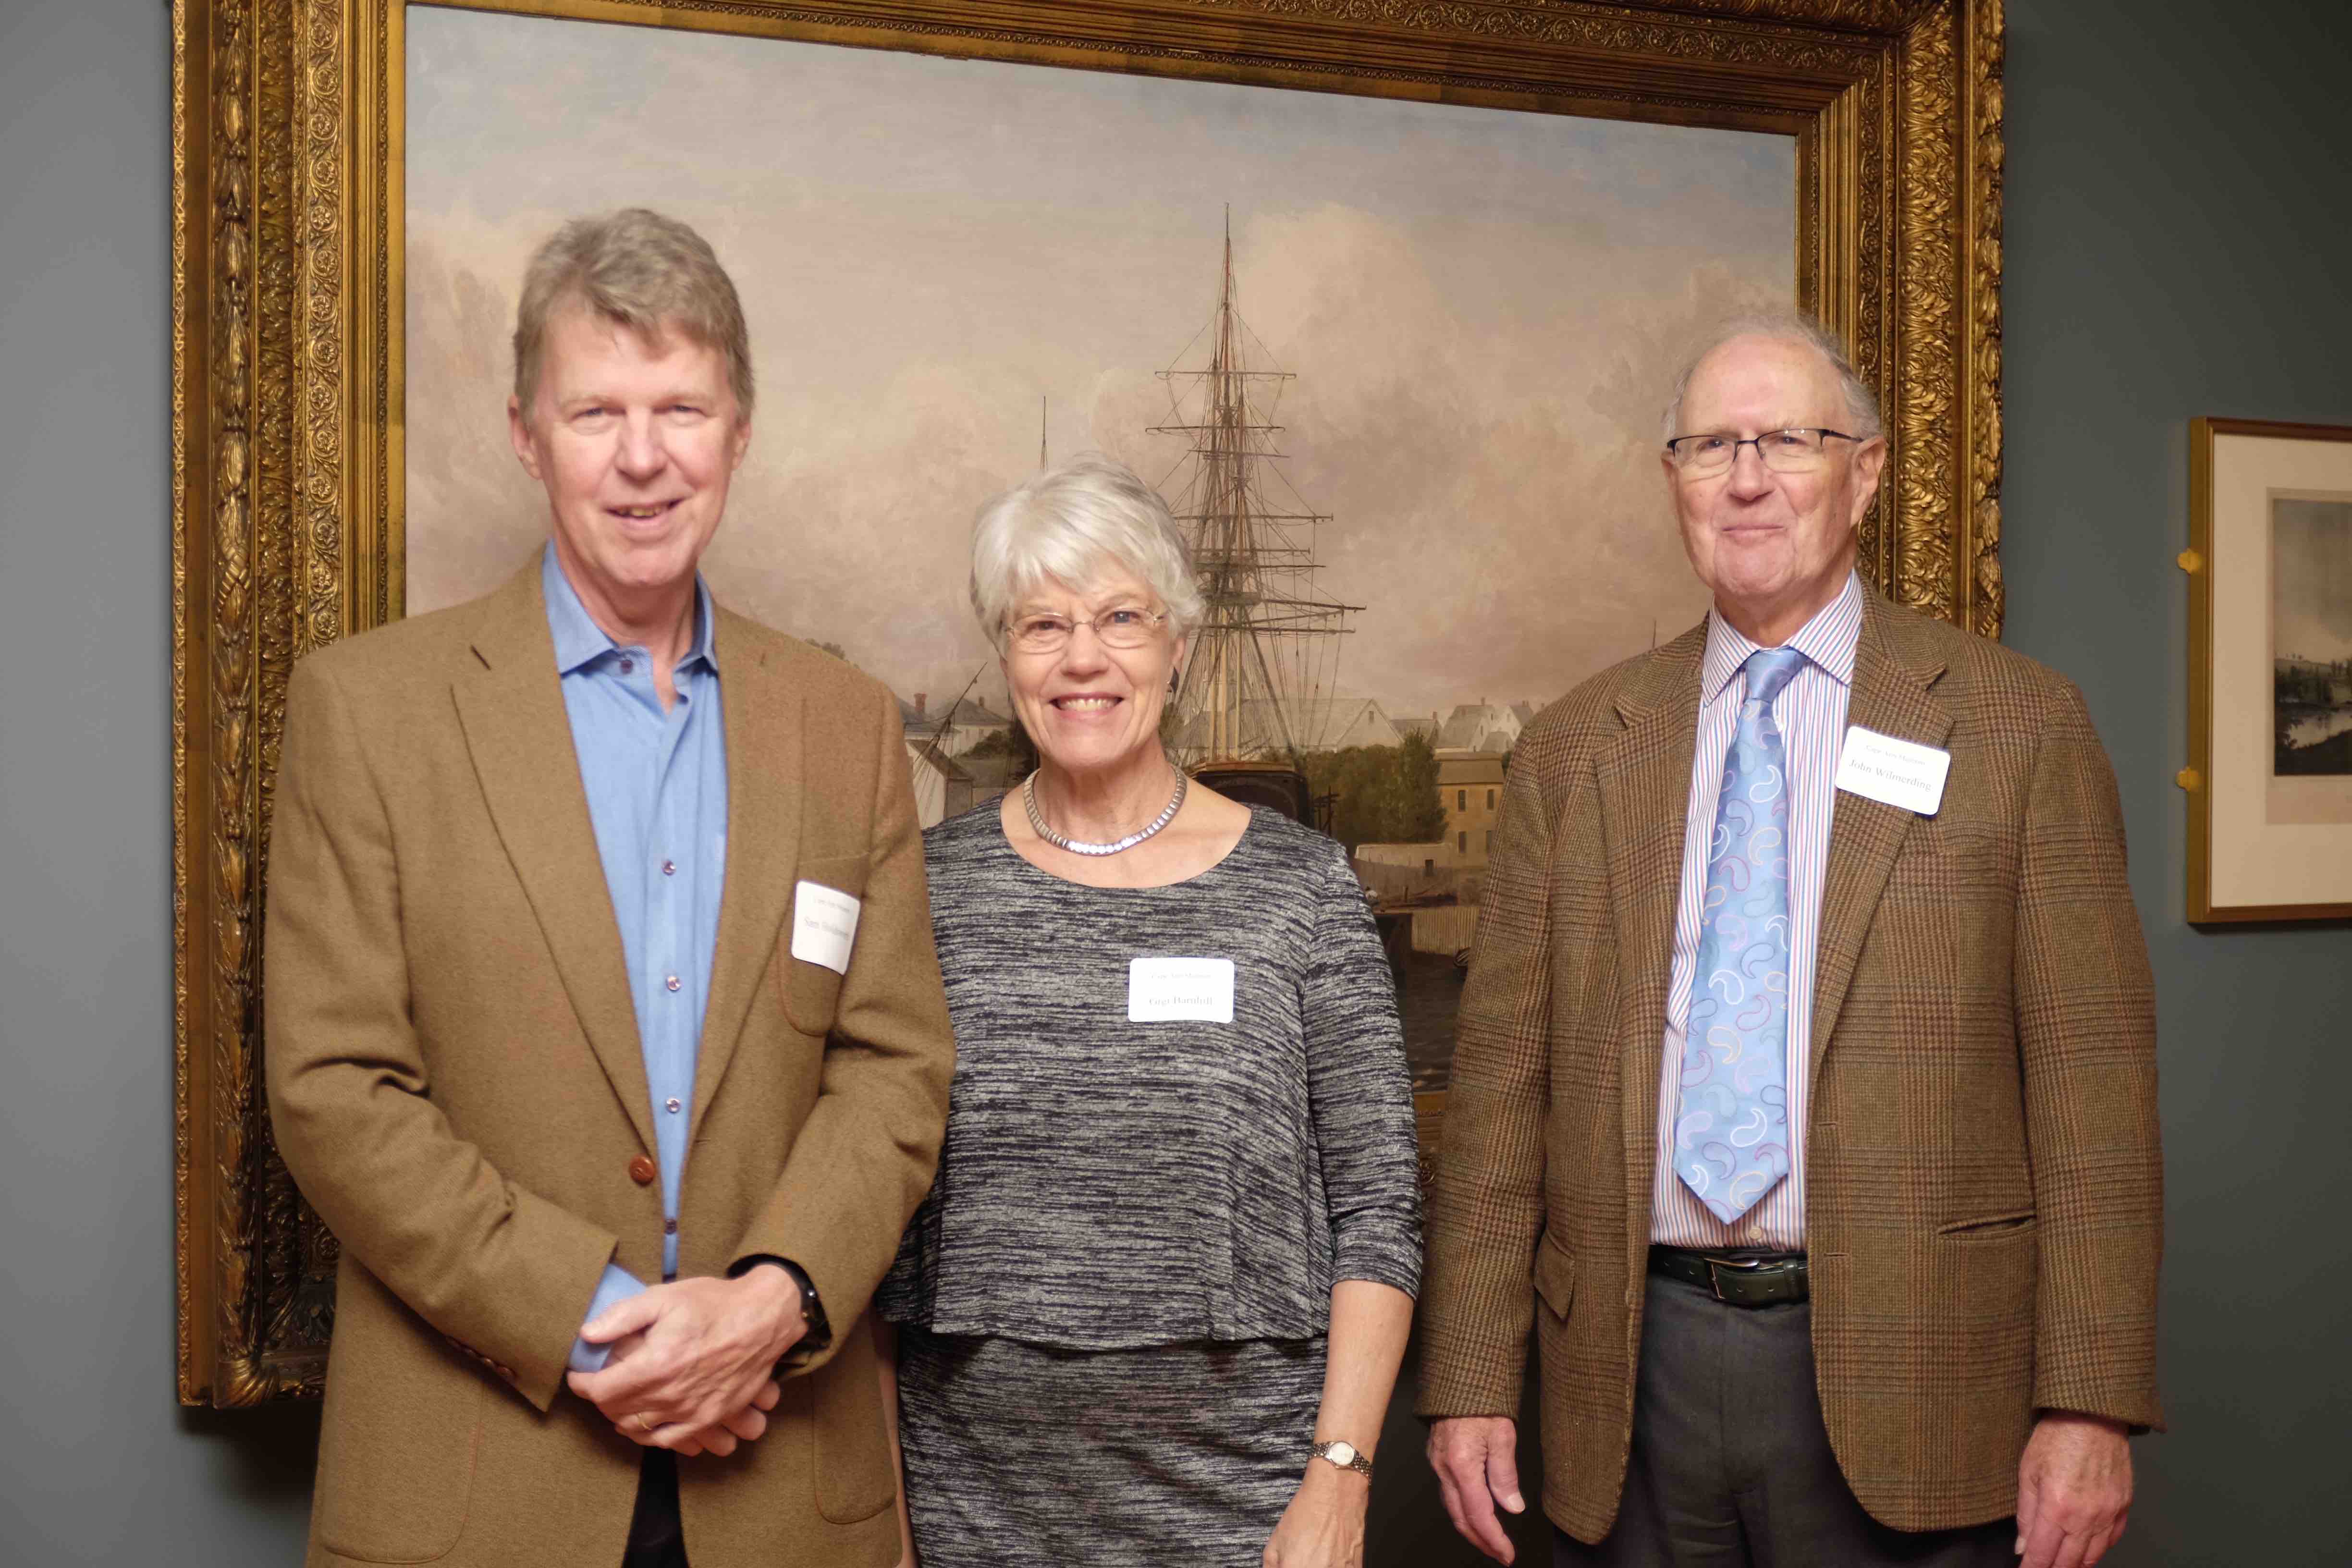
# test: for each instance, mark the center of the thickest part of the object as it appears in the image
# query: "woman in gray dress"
(1152, 1309)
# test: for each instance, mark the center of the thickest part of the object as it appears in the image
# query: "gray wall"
(2176, 213)
(2179, 213)
(97, 1464)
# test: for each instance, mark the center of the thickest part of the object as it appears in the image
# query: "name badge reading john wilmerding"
(1162, 990)
(1899, 773)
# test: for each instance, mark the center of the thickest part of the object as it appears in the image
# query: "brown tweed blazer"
(456, 1083)
(1983, 1195)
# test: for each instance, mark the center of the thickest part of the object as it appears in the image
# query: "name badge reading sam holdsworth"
(1162, 990)
(825, 922)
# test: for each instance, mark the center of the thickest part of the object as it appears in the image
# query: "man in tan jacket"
(605, 1027)
(1804, 1099)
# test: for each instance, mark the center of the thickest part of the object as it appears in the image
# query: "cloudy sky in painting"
(1482, 311)
(2312, 574)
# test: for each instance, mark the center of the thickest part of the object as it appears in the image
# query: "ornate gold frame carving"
(287, 417)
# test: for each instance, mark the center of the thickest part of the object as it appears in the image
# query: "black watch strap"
(820, 1331)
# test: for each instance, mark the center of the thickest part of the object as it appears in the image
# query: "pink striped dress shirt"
(1811, 714)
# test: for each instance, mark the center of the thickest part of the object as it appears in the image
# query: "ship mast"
(1269, 642)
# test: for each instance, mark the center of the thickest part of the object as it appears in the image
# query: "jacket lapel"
(519, 736)
(763, 833)
(1892, 674)
(1643, 775)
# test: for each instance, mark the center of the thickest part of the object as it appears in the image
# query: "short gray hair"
(638, 270)
(1788, 327)
(1070, 523)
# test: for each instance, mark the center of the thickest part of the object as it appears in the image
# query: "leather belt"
(1740, 1280)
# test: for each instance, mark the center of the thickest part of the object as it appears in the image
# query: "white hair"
(1788, 327)
(1076, 523)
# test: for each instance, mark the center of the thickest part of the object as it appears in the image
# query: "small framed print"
(2269, 671)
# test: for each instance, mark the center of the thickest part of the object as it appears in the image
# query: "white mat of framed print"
(2269, 671)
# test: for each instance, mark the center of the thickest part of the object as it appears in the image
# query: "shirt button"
(669, 867)
(672, 982)
(628, 666)
(669, 1227)
(673, 1106)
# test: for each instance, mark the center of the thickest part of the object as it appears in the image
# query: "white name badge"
(1161, 990)
(1899, 773)
(825, 922)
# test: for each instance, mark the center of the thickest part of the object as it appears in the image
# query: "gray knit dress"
(1113, 1304)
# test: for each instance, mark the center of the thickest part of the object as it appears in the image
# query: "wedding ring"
(643, 1425)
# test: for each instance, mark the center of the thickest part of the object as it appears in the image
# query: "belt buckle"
(1739, 1265)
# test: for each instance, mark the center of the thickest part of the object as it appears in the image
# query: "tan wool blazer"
(456, 1083)
(1984, 1193)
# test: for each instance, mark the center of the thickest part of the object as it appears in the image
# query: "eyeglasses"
(1122, 625)
(1783, 451)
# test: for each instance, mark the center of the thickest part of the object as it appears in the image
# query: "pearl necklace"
(1037, 820)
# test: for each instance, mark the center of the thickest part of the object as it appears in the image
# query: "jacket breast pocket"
(813, 990)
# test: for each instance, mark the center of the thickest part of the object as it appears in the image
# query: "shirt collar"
(1827, 641)
(579, 640)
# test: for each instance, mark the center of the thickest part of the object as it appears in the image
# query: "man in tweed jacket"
(1928, 1339)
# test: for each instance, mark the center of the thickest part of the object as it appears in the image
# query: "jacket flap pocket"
(1991, 1227)
(854, 1477)
(1555, 1275)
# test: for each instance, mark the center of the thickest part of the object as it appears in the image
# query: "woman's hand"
(1324, 1525)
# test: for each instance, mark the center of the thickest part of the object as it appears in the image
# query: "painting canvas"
(1425, 345)
(2311, 635)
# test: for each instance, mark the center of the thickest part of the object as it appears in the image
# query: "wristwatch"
(820, 1331)
(1343, 1454)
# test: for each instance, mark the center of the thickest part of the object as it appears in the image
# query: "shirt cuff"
(617, 1285)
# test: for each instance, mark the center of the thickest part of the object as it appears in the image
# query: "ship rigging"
(1265, 656)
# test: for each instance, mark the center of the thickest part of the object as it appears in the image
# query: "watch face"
(1340, 1453)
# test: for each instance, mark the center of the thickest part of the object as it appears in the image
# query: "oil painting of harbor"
(1397, 368)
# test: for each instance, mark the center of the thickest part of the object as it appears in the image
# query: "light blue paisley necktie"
(1731, 1123)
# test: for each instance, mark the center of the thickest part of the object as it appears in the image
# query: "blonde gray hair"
(1788, 327)
(638, 270)
(1073, 523)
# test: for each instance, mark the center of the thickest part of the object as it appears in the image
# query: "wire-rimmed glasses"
(1794, 451)
(1121, 625)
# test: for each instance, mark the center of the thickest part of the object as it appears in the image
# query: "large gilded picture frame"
(287, 374)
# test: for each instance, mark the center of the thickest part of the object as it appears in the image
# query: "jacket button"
(642, 1171)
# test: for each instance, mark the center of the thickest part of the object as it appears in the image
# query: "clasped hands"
(693, 1362)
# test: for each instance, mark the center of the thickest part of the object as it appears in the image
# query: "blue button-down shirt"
(656, 787)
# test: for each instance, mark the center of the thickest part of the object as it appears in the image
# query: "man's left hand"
(2073, 1490)
(705, 1348)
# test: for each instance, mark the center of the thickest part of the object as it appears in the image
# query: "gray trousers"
(1731, 1465)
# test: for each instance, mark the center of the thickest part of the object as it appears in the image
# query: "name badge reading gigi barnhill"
(1162, 990)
